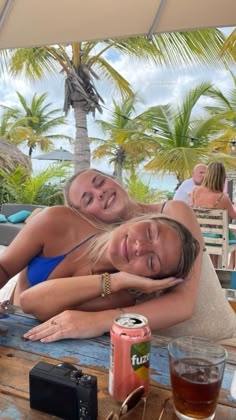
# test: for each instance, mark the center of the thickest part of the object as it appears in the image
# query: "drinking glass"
(231, 297)
(196, 372)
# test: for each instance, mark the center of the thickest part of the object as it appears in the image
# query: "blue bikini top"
(39, 268)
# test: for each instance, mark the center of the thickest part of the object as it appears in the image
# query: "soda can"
(129, 355)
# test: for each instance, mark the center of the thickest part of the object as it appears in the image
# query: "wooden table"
(17, 357)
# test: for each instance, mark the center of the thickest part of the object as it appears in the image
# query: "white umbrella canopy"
(58, 154)
(27, 23)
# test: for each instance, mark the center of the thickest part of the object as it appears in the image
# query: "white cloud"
(8, 88)
(155, 85)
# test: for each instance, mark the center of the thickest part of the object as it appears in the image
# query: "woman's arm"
(191, 196)
(54, 296)
(226, 202)
(160, 312)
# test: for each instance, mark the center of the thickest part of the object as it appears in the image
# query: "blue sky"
(155, 85)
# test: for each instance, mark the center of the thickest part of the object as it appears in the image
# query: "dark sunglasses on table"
(131, 402)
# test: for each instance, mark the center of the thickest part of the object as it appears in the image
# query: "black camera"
(64, 391)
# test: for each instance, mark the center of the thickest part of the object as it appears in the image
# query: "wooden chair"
(214, 226)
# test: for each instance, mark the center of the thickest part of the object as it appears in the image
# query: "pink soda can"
(129, 355)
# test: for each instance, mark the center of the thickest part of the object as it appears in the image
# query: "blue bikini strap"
(81, 243)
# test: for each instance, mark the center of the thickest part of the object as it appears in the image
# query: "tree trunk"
(30, 151)
(119, 164)
(81, 145)
(119, 173)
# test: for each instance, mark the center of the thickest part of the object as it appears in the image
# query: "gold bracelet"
(106, 284)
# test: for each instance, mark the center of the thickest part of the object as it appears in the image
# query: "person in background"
(211, 195)
(183, 192)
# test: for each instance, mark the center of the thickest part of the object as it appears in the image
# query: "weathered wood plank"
(16, 408)
(92, 354)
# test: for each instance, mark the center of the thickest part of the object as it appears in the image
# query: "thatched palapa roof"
(11, 157)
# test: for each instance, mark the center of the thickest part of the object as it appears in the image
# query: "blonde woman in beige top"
(210, 195)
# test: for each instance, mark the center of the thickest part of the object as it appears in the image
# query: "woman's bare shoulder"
(198, 189)
(154, 208)
(56, 217)
(173, 207)
(227, 204)
(226, 198)
(59, 211)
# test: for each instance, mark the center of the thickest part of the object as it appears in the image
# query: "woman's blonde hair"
(189, 245)
(215, 177)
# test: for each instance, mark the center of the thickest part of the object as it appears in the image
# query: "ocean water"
(159, 182)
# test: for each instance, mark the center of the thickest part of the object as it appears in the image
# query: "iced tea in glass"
(231, 297)
(196, 371)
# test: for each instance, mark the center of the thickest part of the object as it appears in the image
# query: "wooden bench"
(214, 226)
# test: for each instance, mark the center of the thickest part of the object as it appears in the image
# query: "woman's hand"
(70, 324)
(144, 284)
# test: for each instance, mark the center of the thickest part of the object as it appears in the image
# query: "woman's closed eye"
(153, 231)
(153, 261)
(154, 264)
(87, 199)
(150, 262)
(98, 182)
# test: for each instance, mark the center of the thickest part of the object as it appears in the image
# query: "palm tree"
(124, 145)
(142, 192)
(224, 109)
(82, 63)
(230, 44)
(10, 128)
(182, 139)
(32, 123)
